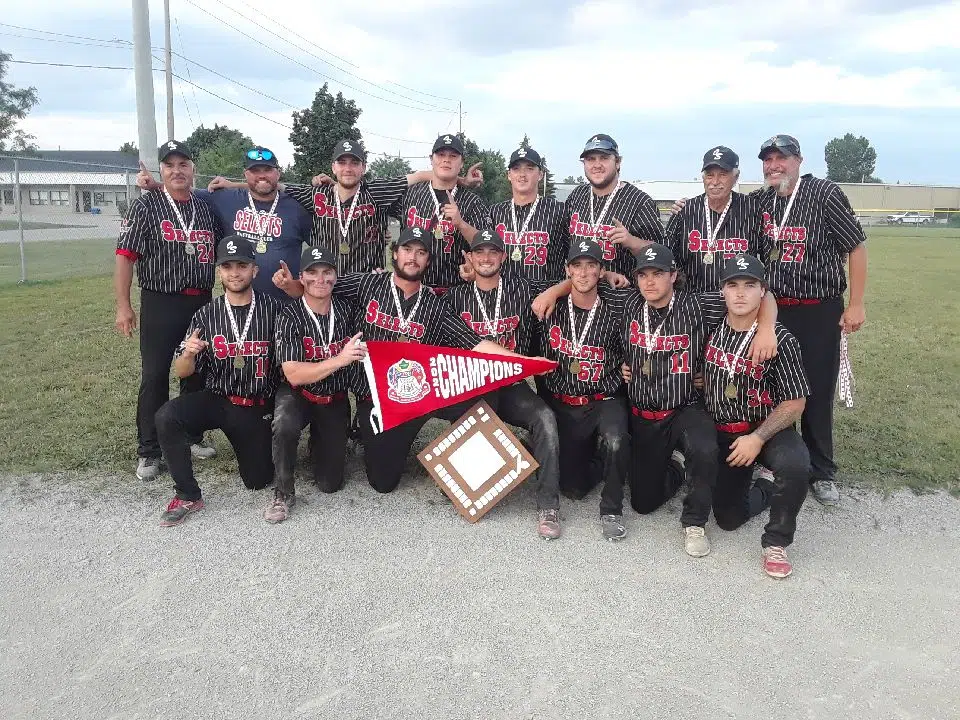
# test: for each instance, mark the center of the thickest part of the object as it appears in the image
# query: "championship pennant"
(408, 380)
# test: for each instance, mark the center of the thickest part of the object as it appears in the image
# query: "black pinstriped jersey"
(541, 253)
(821, 230)
(259, 375)
(418, 209)
(760, 387)
(631, 206)
(686, 236)
(151, 236)
(297, 340)
(365, 238)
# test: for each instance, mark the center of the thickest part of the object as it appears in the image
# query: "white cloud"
(916, 31)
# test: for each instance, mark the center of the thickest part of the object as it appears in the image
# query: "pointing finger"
(283, 266)
(143, 167)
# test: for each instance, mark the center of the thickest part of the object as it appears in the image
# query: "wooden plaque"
(477, 461)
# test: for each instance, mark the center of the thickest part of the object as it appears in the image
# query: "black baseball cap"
(414, 235)
(317, 256)
(234, 248)
(742, 266)
(487, 237)
(450, 142)
(260, 156)
(721, 157)
(351, 148)
(657, 256)
(174, 147)
(787, 144)
(528, 154)
(601, 143)
(585, 248)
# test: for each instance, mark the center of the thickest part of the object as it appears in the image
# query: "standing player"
(230, 342)
(449, 214)
(810, 231)
(714, 226)
(315, 344)
(755, 407)
(170, 235)
(497, 308)
(397, 307)
(617, 215)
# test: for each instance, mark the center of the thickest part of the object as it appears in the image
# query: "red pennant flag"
(408, 380)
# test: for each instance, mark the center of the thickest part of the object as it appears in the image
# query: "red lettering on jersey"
(415, 221)
(322, 209)
(374, 316)
(504, 331)
(588, 352)
(725, 360)
(531, 237)
(663, 343)
(794, 233)
(261, 223)
(222, 349)
(313, 350)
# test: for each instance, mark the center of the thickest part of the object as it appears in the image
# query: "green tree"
(203, 138)
(571, 180)
(318, 128)
(387, 166)
(224, 157)
(15, 104)
(850, 159)
(551, 190)
(129, 147)
(496, 187)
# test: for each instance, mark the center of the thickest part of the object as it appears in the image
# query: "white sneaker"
(148, 468)
(202, 451)
(695, 541)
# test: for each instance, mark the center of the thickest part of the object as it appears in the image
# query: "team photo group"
(699, 356)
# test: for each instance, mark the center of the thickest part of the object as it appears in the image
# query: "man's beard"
(779, 185)
(242, 289)
(404, 275)
(606, 183)
(258, 188)
(487, 273)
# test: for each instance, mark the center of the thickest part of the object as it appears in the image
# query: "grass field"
(12, 225)
(68, 391)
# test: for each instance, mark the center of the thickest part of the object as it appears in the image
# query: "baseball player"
(397, 307)
(714, 226)
(315, 345)
(755, 406)
(606, 210)
(230, 342)
(810, 231)
(170, 235)
(496, 306)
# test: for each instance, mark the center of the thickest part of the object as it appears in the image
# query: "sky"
(668, 80)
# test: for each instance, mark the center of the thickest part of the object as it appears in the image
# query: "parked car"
(912, 217)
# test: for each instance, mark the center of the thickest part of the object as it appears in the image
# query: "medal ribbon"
(846, 384)
(405, 321)
(269, 216)
(246, 326)
(316, 321)
(652, 341)
(518, 231)
(778, 229)
(596, 223)
(731, 369)
(450, 193)
(187, 229)
(711, 232)
(574, 340)
(491, 327)
(344, 225)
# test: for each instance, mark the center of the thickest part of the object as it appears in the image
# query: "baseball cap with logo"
(174, 147)
(721, 157)
(601, 143)
(260, 156)
(528, 154)
(234, 248)
(449, 142)
(317, 256)
(351, 148)
(414, 235)
(487, 237)
(657, 256)
(585, 248)
(787, 144)
(742, 266)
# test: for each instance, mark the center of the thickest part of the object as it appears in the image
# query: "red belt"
(798, 301)
(737, 427)
(578, 400)
(439, 290)
(651, 414)
(322, 399)
(246, 402)
(193, 291)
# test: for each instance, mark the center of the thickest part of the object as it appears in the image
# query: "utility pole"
(460, 115)
(169, 68)
(143, 81)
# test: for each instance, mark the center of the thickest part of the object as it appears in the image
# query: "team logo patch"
(447, 139)
(171, 146)
(417, 232)
(742, 263)
(315, 253)
(584, 247)
(231, 247)
(347, 146)
(407, 382)
(717, 154)
(521, 153)
(650, 254)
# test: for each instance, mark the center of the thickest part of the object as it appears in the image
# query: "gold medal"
(239, 362)
(730, 391)
(344, 248)
(575, 367)
(647, 367)
(190, 249)
(708, 258)
(403, 338)
(262, 247)
(516, 255)
(438, 232)
(775, 254)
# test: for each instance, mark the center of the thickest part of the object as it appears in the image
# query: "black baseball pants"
(596, 430)
(164, 319)
(655, 478)
(817, 329)
(247, 429)
(328, 431)
(736, 498)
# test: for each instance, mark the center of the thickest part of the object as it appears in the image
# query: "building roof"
(72, 161)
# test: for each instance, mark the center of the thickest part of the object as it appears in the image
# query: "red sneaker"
(775, 562)
(178, 510)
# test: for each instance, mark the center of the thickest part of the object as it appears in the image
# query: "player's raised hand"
(126, 321)
(626, 373)
(283, 278)
(677, 206)
(193, 345)
(473, 178)
(451, 212)
(618, 233)
(145, 179)
(353, 351)
(322, 179)
(544, 304)
(467, 273)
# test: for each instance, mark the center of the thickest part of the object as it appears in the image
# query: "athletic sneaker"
(548, 524)
(826, 492)
(612, 527)
(695, 541)
(178, 510)
(279, 509)
(148, 468)
(775, 562)
(202, 451)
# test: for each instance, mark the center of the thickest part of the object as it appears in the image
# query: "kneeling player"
(315, 345)
(240, 379)
(755, 407)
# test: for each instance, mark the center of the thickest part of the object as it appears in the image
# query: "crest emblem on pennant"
(407, 382)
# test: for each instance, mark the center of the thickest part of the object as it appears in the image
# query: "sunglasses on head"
(780, 142)
(259, 154)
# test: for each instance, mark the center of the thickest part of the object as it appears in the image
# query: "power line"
(193, 90)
